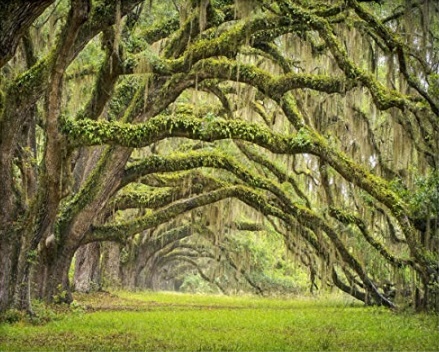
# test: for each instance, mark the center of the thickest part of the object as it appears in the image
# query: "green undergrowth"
(181, 322)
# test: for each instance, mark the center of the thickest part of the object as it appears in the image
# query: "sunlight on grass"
(163, 321)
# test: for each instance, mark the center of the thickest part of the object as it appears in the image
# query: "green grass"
(164, 321)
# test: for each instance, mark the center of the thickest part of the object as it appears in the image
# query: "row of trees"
(120, 118)
(187, 255)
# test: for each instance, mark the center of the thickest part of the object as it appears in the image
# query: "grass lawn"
(177, 322)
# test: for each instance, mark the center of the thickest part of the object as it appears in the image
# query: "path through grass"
(177, 322)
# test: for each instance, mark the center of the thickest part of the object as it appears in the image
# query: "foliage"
(11, 316)
(42, 313)
(425, 201)
(193, 283)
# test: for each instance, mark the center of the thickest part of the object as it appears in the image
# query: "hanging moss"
(227, 43)
(349, 218)
(2, 103)
(273, 86)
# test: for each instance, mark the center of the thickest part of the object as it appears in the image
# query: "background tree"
(323, 117)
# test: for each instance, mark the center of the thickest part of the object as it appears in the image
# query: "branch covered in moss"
(383, 97)
(394, 43)
(155, 218)
(88, 132)
(278, 172)
(156, 198)
(273, 86)
(228, 42)
(176, 179)
(207, 159)
(349, 218)
(160, 30)
(305, 217)
(158, 242)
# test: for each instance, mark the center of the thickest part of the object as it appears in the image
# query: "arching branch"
(15, 19)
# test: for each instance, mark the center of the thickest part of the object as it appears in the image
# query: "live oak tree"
(117, 117)
(230, 255)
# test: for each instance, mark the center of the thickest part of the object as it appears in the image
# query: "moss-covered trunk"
(50, 277)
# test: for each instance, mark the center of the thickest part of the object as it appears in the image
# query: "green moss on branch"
(349, 218)
(88, 132)
(273, 86)
(155, 218)
(196, 160)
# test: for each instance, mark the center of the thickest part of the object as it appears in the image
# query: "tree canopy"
(156, 121)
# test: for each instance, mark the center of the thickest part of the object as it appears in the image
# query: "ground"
(181, 322)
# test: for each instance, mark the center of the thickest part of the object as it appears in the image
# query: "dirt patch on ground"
(106, 301)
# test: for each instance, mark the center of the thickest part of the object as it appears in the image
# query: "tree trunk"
(128, 275)
(87, 268)
(17, 17)
(150, 273)
(6, 264)
(110, 266)
(51, 275)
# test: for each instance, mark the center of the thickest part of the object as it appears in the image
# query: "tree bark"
(7, 264)
(16, 16)
(51, 275)
(87, 268)
(110, 267)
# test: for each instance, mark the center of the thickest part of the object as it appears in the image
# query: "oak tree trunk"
(87, 268)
